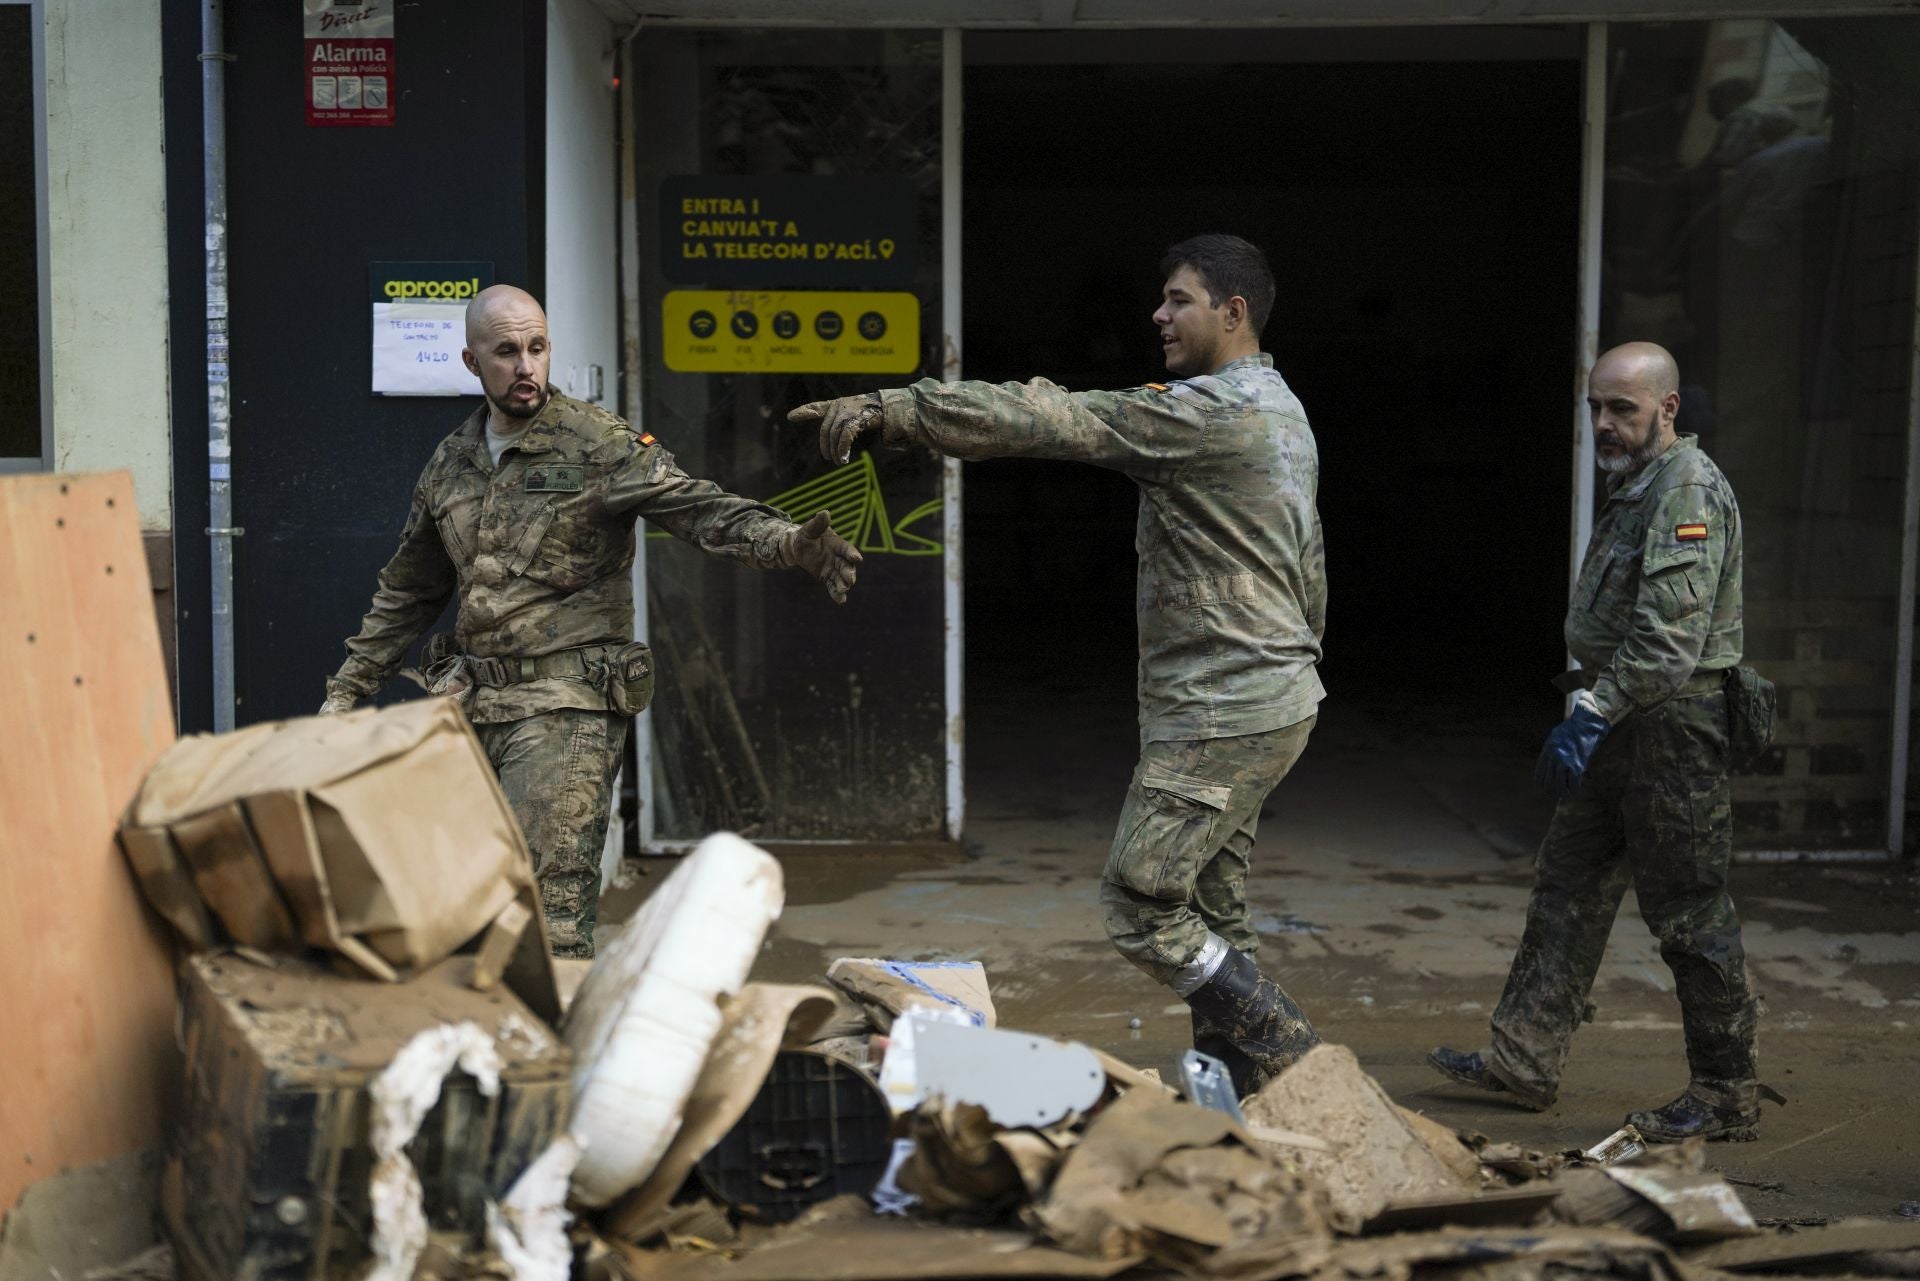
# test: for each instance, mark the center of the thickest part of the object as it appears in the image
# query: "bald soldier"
(527, 513)
(1640, 769)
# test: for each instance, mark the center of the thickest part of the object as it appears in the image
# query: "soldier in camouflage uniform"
(1231, 602)
(1640, 769)
(527, 513)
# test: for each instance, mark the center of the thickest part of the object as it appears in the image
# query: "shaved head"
(495, 302)
(508, 351)
(1633, 397)
(1647, 364)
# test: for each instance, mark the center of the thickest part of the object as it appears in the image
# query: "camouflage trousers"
(557, 769)
(1654, 810)
(1178, 866)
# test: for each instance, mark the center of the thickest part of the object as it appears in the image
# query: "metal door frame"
(43, 237)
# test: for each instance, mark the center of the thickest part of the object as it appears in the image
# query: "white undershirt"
(497, 443)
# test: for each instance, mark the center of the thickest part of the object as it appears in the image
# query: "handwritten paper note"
(416, 350)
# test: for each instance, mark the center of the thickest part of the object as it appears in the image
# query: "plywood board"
(87, 1012)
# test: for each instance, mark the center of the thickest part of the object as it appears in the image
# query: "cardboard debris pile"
(381, 1085)
(1325, 1178)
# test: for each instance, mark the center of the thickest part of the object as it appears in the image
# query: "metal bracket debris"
(1205, 1081)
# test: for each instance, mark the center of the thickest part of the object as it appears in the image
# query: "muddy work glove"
(830, 558)
(842, 422)
(1569, 748)
(338, 701)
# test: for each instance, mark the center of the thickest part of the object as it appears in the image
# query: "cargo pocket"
(450, 539)
(1171, 829)
(1710, 811)
(1613, 582)
(527, 545)
(560, 564)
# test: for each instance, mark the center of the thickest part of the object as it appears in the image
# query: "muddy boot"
(1210, 1041)
(1470, 1068)
(1728, 1114)
(1250, 1016)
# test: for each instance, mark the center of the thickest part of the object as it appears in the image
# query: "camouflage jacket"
(1232, 591)
(1658, 595)
(540, 551)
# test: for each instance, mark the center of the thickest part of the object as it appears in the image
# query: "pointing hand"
(841, 422)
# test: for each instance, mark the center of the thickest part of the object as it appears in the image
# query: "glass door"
(787, 197)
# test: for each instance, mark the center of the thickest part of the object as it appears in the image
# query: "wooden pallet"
(1824, 782)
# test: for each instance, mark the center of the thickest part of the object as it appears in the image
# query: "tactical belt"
(582, 663)
(1695, 685)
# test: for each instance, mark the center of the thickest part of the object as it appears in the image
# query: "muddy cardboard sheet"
(381, 835)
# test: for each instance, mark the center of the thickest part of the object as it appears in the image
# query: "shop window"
(789, 224)
(1760, 223)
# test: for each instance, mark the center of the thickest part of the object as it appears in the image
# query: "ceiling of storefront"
(1225, 13)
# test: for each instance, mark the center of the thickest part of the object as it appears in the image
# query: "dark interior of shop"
(1421, 219)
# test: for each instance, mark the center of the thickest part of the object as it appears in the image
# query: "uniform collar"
(1259, 360)
(536, 439)
(472, 438)
(1633, 486)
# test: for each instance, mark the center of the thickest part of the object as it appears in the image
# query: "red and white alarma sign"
(349, 62)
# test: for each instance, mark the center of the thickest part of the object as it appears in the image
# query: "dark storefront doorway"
(1418, 194)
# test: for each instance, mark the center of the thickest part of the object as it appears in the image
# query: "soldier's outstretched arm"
(646, 482)
(1680, 564)
(1143, 430)
(413, 589)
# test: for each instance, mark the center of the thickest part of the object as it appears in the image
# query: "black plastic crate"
(818, 1129)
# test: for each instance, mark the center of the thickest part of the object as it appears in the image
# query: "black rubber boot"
(1706, 1113)
(1243, 1011)
(1209, 1041)
(1470, 1068)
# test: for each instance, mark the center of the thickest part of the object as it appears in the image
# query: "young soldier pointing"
(1232, 599)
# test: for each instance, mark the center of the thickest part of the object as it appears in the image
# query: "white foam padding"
(648, 1011)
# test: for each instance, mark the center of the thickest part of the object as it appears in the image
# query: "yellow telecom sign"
(739, 331)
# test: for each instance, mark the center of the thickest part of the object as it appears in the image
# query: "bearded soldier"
(1640, 769)
(526, 513)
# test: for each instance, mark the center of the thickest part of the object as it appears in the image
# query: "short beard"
(1633, 460)
(516, 411)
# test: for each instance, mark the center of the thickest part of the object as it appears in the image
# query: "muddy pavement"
(1390, 883)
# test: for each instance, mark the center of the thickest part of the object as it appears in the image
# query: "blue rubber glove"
(1569, 747)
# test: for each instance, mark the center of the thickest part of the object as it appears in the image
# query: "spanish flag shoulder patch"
(1158, 387)
(646, 438)
(1690, 533)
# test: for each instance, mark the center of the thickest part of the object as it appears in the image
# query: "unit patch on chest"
(1690, 533)
(554, 478)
